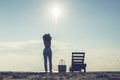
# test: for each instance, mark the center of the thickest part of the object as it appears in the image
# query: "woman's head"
(47, 37)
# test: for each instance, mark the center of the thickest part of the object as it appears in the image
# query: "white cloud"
(28, 56)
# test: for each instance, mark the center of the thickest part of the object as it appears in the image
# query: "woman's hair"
(47, 37)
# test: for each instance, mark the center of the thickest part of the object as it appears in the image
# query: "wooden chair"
(77, 63)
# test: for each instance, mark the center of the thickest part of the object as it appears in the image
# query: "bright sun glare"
(56, 12)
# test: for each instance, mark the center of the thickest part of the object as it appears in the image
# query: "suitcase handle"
(62, 62)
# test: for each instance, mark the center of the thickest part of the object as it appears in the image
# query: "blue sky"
(91, 26)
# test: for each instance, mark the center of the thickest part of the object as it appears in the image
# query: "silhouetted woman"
(47, 52)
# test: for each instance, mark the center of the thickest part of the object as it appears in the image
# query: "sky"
(90, 26)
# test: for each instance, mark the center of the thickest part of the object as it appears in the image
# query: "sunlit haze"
(56, 12)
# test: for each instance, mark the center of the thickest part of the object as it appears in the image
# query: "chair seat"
(79, 65)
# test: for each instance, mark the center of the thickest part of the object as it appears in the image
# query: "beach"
(59, 76)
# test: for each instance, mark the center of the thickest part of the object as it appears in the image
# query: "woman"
(47, 52)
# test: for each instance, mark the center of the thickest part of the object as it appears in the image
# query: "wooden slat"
(77, 56)
(77, 62)
(78, 59)
(78, 52)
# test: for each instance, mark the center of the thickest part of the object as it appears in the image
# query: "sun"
(56, 12)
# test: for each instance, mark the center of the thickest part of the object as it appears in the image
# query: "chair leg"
(71, 70)
(85, 70)
(80, 70)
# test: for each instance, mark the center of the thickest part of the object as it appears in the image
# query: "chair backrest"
(78, 57)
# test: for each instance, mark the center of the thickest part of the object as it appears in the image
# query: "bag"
(62, 66)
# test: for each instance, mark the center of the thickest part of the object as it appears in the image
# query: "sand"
(60, 76)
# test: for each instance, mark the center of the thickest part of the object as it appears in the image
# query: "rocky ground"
(60, 76)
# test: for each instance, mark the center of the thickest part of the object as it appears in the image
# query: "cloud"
(28, 55)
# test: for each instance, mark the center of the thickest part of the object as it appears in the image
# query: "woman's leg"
(45, 60)
(50, 60)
